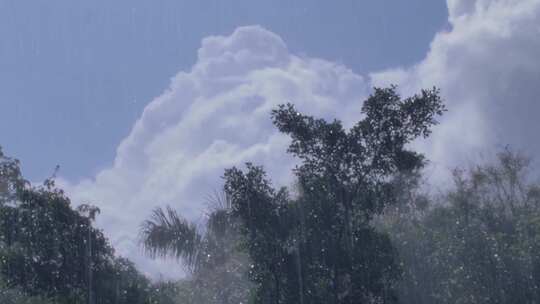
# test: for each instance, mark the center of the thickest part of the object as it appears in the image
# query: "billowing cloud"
(488, 70)
(217, 115)
(213, 117)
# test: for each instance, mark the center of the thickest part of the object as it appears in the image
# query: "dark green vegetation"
(358, 226)
(48, 250)
(320, 247)
(478, 243)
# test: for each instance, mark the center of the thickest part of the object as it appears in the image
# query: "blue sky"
(75, 75)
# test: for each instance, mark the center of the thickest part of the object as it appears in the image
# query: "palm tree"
(167, 234)
(216, 266)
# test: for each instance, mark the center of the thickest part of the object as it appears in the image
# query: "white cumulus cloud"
(488, 70)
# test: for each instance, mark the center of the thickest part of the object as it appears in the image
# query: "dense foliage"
(321, 247)
(11, 295)
(50, 250)
(479, 243)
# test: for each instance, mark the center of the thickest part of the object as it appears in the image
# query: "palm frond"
(219, 223)
(217, 200)
(167, 234)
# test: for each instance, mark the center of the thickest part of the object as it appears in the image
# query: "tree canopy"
(320, 247)
(50, 250)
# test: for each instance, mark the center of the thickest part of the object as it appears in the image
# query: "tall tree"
(320, 246)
